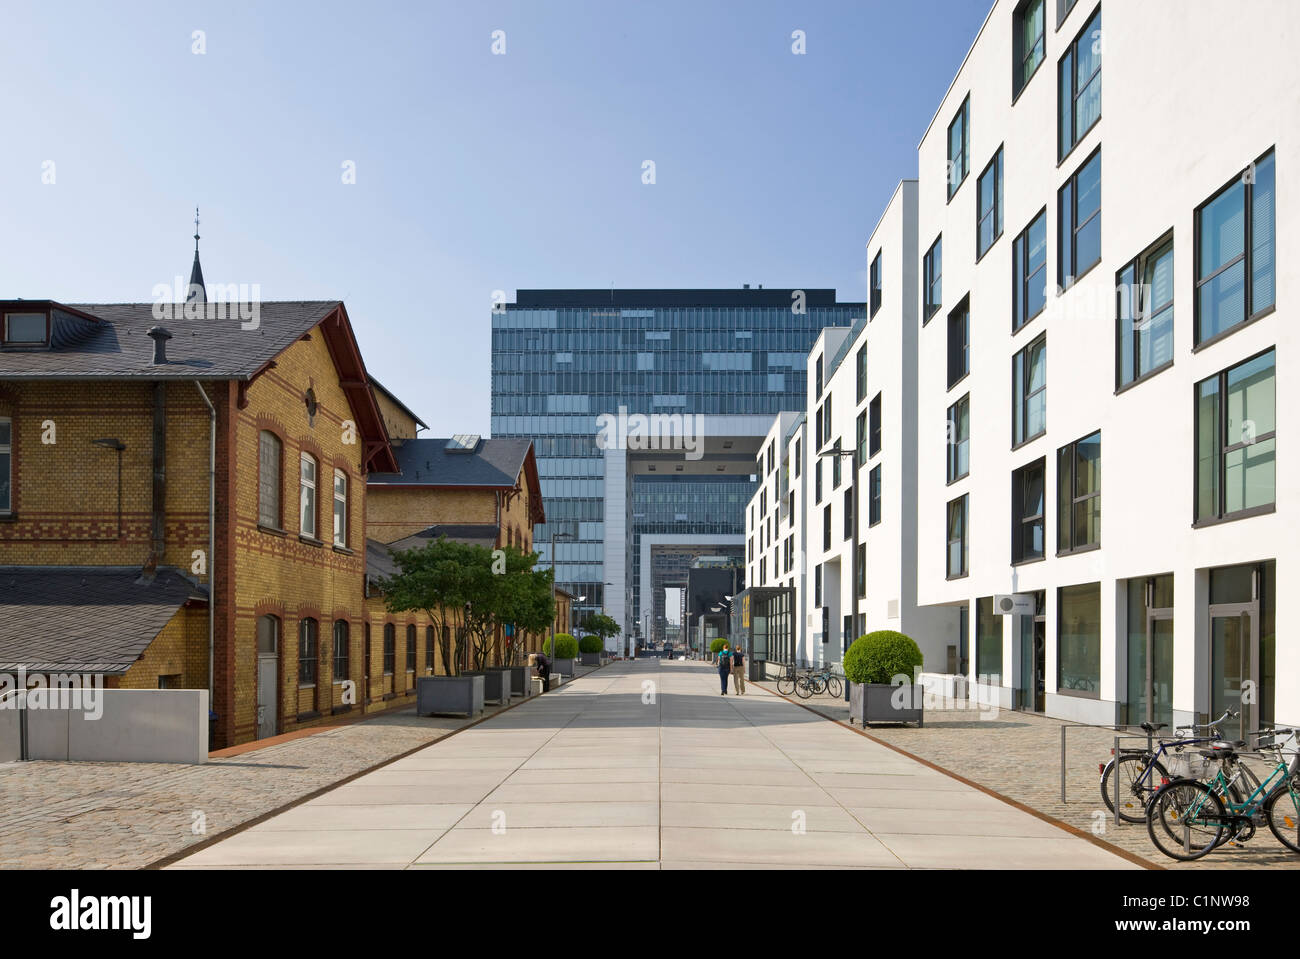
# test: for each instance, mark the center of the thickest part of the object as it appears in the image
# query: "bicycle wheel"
(804, 688)
(785, 685)
(818, 684)
(834, 687)
(1185, 819)
(1136, 785)
(1282, 811)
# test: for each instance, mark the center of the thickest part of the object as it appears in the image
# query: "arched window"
(269, 473)
(428, 649)
(342, 646)
(410, 648)
(308, 651)
(307, 497)
(390, 648)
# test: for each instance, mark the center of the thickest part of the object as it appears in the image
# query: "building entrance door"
(1234, 666)
(1033, 657)
(268, 675)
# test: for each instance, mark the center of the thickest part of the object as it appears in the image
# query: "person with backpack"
(724, 666)
(738, 669)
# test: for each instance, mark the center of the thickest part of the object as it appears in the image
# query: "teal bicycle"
(1188, 819)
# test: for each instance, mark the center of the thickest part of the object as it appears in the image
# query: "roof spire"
(197, 292)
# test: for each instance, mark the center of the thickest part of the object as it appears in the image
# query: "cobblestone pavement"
(83, 815)
(1018, 755)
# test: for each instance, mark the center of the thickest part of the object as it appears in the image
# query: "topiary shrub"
(566, 644)
(880, 656)
(591, 644)
(716, 646)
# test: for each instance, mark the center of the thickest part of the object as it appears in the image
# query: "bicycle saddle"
(1152, 727)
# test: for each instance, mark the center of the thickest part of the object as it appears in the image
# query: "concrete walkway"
(645, 765)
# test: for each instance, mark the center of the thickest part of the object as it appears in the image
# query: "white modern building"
(1096, 313)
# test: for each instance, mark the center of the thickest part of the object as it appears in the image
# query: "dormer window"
(25, 329)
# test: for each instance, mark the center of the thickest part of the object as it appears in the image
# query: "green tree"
(433, 579)
(598, 624)
(523, 600)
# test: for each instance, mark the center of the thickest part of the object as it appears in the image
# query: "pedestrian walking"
(724, 666)
(738, 668)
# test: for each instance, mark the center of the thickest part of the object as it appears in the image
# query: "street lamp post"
(555, 612)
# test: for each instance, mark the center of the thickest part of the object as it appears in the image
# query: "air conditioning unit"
(1014, 604)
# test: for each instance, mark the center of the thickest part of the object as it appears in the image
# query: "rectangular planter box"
(456, 695)
(497, 685)
(589, 659)
(520, 678)
(564, 666)
(883, 703)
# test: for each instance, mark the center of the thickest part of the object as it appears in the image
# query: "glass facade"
(562, 358)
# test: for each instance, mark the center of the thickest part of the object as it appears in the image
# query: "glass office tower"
(561, 358)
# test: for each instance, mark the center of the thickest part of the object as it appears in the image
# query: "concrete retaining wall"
(136, 725)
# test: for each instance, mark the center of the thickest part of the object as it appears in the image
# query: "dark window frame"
(390, 649)
(1131, 318)
(874, 480)
(875, 425)
(861, 370)
(827, 525)
(1021, 402)
(1019, 79)
(877, 285)
(342, 658)
(308, 651)
(1021, 522)
(962, 506)
(1021, 279)
(954, 440)
(997, 165)
(1071, 534)
(1246, 257)
(931, 281)
(960, 311)
(1221, 383)
(1072, 54)
(963, 114)
(1068, 270)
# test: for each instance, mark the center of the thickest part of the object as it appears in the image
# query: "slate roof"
(379, 557)
(79, 619)
(426, 462)
(113, 345)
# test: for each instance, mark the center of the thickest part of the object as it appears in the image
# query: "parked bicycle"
(1188, 819)
(804, 684)
(1139, 772)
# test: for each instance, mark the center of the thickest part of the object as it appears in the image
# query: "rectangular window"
(268, 480)
(873, 497)
(1029, 272)
(932, 279)
(988, 642)
(1027, 516)
(340, 508)
(876, 284)
(1144, 322)
(837, 468)
(25, 329)
(862, 438)
(1079, 85)
(1078, 494)
(1236, 441)
(862, 570)
(428, 649)
(988, 214)
(1079, 222)
(848, 513)
(959, 439)
(1078, 645)
(6, 465)
(959, 342)
(1234, 252)
(817, 585)
(818, 485)
(390, 649)
(826, 421)
(307, 497)
(798, 458)
(410, 649)
(1030, 41)
(342, 648)
(826, 527)
(862, 373)
(959, 148)
(875, 425)
(819, 377)
(307, 652)
(1063, 8)
(1029, 392)
(957, 547)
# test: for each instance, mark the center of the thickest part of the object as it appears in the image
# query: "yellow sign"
(744, 612)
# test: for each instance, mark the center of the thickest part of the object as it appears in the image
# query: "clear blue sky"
(474, 172)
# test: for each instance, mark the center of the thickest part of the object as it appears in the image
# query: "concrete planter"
(497, 686)
(520, 678)
(883, 703)
(565, 666)
(589, 659)
(458, 695)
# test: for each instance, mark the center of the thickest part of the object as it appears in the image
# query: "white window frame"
(340, 509)
(307, 495)
(8, 476)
